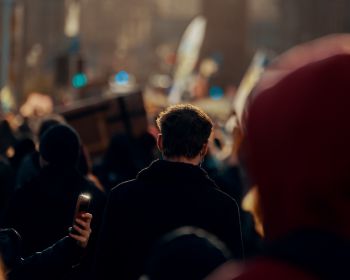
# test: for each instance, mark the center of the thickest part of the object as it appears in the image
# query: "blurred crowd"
(163, 206)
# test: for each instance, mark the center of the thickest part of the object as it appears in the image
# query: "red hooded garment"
(298, 143)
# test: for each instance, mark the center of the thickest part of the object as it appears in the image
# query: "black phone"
(82, 206)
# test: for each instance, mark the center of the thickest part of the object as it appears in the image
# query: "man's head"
(185, 130)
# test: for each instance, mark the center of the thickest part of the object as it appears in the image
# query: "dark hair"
(185, 129)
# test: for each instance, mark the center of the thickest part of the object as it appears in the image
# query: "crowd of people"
(160, 209)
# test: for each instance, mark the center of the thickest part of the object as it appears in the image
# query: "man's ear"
(204, 149)
(160, 142)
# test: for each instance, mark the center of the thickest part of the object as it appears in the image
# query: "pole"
(5, 48)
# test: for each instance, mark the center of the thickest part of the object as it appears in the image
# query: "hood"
(298, 141)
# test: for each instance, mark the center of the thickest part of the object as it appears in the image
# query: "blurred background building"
(59, 47)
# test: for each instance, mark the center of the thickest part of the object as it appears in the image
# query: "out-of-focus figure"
(58, 258)
(297, 142)
(186, 253)
(49, 199)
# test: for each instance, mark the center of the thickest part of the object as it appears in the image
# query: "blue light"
(216, 92)
(79, 80)
(122, 78)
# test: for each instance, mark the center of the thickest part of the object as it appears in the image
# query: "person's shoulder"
(124, 194)
(223, 195)
(126, 187)
(222, 198)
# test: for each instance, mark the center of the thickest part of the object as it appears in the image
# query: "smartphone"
(82, 206)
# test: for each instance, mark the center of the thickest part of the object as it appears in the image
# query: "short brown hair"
(185, 129)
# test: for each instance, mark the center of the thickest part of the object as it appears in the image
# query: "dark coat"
(52, 263)
(163, 197)
(42, 210)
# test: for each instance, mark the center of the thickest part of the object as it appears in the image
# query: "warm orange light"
(251, 204)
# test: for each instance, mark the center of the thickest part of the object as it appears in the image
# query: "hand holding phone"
(81, 230)
(83, 204)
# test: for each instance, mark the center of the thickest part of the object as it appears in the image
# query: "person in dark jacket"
(169, 194)
(42, 210)
(58, 258)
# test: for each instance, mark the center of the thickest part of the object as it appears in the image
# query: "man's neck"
(195, 161)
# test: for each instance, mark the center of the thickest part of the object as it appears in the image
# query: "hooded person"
(298, 153)
(60, 147)
(42, 210)
(30, 165)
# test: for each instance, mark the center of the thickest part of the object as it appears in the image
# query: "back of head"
(60, 146)
(298, 136)
(186, 253)
(185, 129)
(48, 123)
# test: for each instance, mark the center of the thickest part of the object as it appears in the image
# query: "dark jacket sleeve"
(52, 263)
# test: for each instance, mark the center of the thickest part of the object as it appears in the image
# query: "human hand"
(82, 229)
